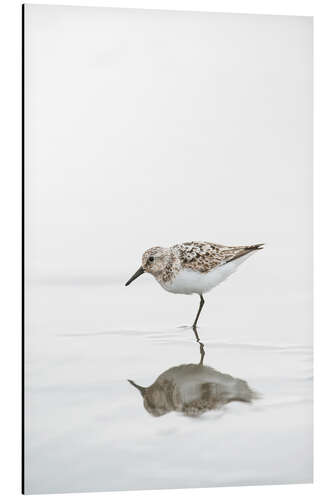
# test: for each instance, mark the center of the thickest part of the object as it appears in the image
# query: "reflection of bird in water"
(193, 389)
(193, 267)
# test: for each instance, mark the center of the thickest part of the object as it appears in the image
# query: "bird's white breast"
(188, 281)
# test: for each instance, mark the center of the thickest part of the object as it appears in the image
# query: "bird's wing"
(203, 256)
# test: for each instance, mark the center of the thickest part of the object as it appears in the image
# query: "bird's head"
(155, 399)
(154, 261)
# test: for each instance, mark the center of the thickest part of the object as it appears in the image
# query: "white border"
(10, 196)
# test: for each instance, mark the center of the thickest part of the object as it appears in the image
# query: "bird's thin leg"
(202, 350)
(199, 311)
(197, 338)
(202, 353)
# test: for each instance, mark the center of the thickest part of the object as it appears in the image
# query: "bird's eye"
(151, 259)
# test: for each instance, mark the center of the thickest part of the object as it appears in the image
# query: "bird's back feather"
(203, 256)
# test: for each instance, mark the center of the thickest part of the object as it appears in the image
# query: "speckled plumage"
(202, 256)
(198, 256)
(193, 390)
(193, 267)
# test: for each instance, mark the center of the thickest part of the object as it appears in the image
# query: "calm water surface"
(120, 396)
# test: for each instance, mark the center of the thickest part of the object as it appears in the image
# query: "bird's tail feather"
(248, 249)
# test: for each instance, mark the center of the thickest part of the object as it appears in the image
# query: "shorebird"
(193, 389)
(193, 267)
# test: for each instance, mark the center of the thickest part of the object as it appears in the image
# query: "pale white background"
(10, 200)
(152, 128)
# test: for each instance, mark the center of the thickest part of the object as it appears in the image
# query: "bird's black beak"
(139, 387)
(135, 275)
